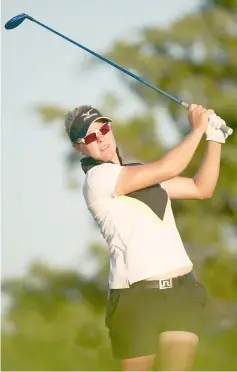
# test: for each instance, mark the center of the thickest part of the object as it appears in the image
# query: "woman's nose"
(100, 137)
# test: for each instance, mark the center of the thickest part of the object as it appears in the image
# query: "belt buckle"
(165, 283)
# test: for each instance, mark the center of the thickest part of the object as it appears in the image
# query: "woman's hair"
(119, 156)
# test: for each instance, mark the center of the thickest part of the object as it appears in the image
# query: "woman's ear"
(77, 147)
(80, 148)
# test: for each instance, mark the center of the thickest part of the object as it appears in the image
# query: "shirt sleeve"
(101, 180)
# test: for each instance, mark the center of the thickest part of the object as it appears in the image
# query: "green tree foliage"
(55, 322)
(56, 319)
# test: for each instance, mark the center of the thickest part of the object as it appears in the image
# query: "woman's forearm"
(207, 176)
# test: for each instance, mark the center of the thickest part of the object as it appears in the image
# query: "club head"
(15, 21)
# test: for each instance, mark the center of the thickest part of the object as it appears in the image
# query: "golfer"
(155, 305)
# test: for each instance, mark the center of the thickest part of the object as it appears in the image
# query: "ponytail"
(119, 157)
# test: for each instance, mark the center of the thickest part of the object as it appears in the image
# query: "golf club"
(17, 20)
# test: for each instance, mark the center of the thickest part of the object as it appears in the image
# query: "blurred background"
(54, 261)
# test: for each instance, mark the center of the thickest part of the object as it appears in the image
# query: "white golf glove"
(213, 134)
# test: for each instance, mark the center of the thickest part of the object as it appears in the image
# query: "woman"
(153, 294)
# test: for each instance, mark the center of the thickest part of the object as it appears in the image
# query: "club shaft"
(23, 16)
(175, 99)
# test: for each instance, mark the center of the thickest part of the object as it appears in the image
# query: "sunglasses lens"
(90, 138)
(105, 129)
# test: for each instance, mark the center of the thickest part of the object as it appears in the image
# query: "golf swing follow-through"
(155, 302)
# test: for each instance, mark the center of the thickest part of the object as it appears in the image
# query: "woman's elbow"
(206, 195)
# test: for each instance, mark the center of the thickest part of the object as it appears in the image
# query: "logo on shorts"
(165, 283)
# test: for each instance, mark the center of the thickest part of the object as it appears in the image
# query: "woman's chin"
(107, 155)
(107, 158)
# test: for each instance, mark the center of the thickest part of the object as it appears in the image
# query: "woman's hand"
(198, 117)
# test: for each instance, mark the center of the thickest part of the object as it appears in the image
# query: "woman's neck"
(115, 159)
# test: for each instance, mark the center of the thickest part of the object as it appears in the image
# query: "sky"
(41, 218)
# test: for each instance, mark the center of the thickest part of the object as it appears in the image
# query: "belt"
(164, 283)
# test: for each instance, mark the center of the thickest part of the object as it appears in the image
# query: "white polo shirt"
(139, 228)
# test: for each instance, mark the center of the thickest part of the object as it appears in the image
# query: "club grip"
(217, 123)
(226, 129)
(214, 121)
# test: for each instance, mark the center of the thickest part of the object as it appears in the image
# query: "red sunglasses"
(92, 137)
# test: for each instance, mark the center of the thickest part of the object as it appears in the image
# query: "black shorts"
(136, 316)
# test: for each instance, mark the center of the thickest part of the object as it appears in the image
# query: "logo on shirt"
(165, 283)
(88, 115)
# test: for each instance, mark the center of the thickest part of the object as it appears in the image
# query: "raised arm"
(173, 163)
(203, 184)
